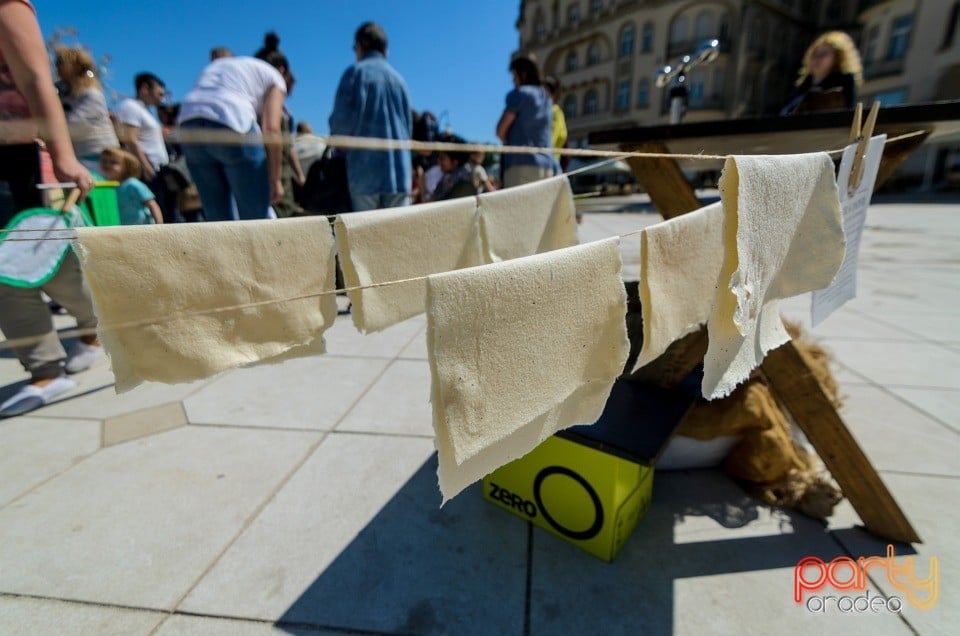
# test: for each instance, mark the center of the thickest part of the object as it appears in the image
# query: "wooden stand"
(787, 373)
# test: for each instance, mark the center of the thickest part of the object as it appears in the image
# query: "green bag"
(28, 262)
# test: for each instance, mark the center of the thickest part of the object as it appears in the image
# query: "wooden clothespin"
(70, 200)
(862, 138)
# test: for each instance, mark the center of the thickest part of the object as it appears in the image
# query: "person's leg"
(211, 180)
(394, 200)
(208, 174)
(362, 202)
(24, 314)
(246, 169)
(165, 199)
(69, 290)
(518, 175)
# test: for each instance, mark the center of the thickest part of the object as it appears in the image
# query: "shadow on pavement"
(473, 568)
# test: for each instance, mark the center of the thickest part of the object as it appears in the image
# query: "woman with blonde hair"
(85, 106)
(829, 77)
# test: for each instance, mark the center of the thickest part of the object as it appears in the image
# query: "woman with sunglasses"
(830, 76)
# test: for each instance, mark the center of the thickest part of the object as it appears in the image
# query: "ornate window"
(623, 95)
(596, 6)
(643, 89)
(646, 40)
(626, 41)
(679, 31)
(590, 102)
(572, 62)
(593, 54)
(899, 37)
(703, 26)
(573, 14)
(570, 107)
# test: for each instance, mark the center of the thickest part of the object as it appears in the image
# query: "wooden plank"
(894, 154)
(669, 191)
(800, 392)
(677, 362)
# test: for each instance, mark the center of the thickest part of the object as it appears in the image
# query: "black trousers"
(20, 169)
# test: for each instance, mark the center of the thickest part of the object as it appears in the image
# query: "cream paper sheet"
(160, 272)
(519, 350)
(529, 219)
(400, 243)
(680, 260)
(783, 236)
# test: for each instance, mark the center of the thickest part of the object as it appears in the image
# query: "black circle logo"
(590, 532)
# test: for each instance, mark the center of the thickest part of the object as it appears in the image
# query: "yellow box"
(585, 496)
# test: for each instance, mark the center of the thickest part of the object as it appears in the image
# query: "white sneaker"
(82, 356)
(32, 397)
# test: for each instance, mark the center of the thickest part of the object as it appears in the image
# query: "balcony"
(883, 68)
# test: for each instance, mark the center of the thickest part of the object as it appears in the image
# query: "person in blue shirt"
(527, 121)
(372, 101)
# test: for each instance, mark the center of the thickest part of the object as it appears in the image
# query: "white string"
(612, 155)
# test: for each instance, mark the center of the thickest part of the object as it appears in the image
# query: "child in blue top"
(135, 201)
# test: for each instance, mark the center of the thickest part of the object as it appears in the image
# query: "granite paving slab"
(304, 393)
(371, 550)
(138, 523)
(36, 449)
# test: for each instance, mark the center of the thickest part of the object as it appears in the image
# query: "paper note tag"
(853, 205)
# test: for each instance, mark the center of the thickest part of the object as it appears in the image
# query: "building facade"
(911, 54)
(606, 54)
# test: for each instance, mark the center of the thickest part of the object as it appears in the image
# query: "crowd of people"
(228, 152)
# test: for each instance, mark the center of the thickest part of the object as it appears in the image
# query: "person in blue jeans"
(221, 137)
(372, 101)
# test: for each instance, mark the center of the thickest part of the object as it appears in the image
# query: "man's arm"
(129, 137)
(272, 142)
(503, 126)
(344, 116)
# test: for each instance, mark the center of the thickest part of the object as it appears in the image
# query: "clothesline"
(329, 217)
(228, 137)
(613, 156)
(92, 331)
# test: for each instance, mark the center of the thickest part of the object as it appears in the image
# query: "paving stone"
(138, 523)
(897, 437)
(304, 393)
(150, 421)
(943, 404)
(34, 617)
(343, 339)
(370, 550)
(184, 625)
(929, 503)
(697, 564)
(96, 398)
(35, 449)
(399, 403)
(914, 364)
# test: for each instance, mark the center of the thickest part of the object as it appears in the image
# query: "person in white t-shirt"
(142, 134)
(140, 129)
(221, 138)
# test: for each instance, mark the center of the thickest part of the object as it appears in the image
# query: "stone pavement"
(302, 498)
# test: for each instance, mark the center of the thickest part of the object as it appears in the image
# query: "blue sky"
(454, 55)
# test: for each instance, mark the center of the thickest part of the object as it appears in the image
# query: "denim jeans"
(219, 170)
(361, 202)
